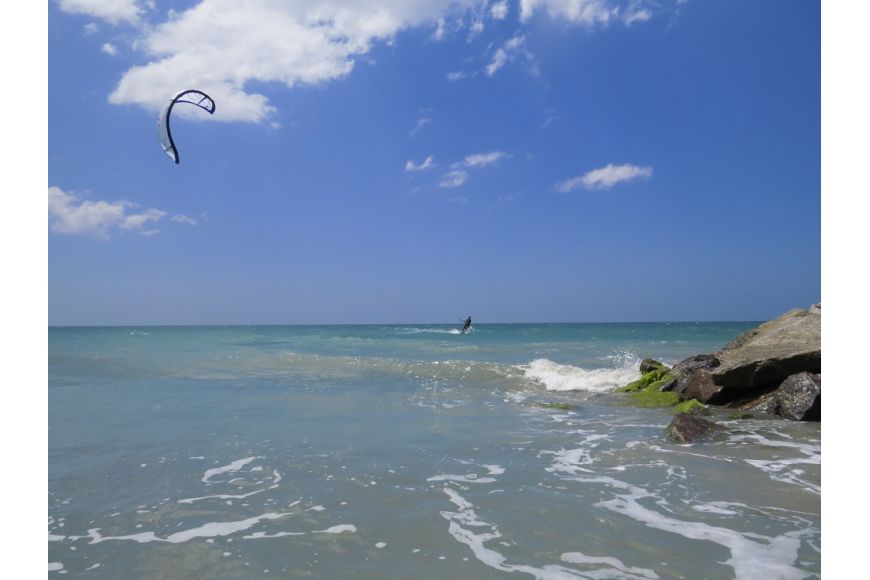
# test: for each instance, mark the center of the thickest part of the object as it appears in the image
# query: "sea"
(410, 452)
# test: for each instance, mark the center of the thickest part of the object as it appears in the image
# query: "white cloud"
(421, 122)
(183, 219)
(440, 31)
(605, 177)
(112, 11)
(91, 28)
(458, 199)
(109, 49)
(551, 117)
(99, 219)
(458, 174)
(228, 48)
(482, 159)
(454, 178)
(219, 46)
(512, 50)
(499, 10)
(587, 12)
(455, 76)
(428, 163)
(636, 15)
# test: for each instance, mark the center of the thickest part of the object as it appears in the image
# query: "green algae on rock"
(692, 407)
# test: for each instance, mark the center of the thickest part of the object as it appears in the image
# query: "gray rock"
(799, 397)
(698, 384)
(691, 374)
(699, 361)
(760, 359)
(686, 428)
(763, 405)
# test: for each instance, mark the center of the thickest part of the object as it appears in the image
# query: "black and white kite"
(190, 96)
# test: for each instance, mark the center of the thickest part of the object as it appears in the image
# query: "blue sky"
(588, 161)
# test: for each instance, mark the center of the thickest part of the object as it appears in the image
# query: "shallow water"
(409, 452)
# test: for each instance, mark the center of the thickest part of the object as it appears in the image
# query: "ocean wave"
(559, 377)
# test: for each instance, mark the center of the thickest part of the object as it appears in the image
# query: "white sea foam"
(221, 496)
(559, 377)
(786, 470)
(494, 559)
(340, 529)
(469, 478)
(752, 555)
(581, 558)
(209, 530)
(234, 466)
(54, 566)
(417, 330)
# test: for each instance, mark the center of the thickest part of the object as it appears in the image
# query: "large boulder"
(756, 362)
(761, 359)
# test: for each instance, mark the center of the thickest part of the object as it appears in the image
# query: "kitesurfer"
(466, 324)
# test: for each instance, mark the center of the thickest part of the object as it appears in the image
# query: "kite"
(190, 96)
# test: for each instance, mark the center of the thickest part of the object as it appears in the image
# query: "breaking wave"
(559, 377)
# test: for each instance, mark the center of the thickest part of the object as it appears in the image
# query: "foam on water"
(209, 530)
(788, 469)
(559, 377)
(466, 518)
(234, 466)
(753, 555)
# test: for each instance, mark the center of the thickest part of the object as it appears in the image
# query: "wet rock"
(686, 428)
(648, 365)
(691, 407)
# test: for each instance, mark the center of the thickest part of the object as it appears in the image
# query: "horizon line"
(242, 324)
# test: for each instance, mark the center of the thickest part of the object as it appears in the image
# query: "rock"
(761, 359)
(667, 383)
(699, 361)
(765, 405)
(799, 397)
(691, 407)
(686, 428)
(698, 384)
(684, 373)
(648, 364)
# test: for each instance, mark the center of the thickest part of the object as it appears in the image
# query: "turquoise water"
(409, 451)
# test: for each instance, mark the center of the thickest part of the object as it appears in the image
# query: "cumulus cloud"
(428, 163)
(499, 10)
(605, 177)
(109, 49)
(69, 215)
(112, 11)
(454, 178)
(221, 46)
(228, 48)
(587, 12)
